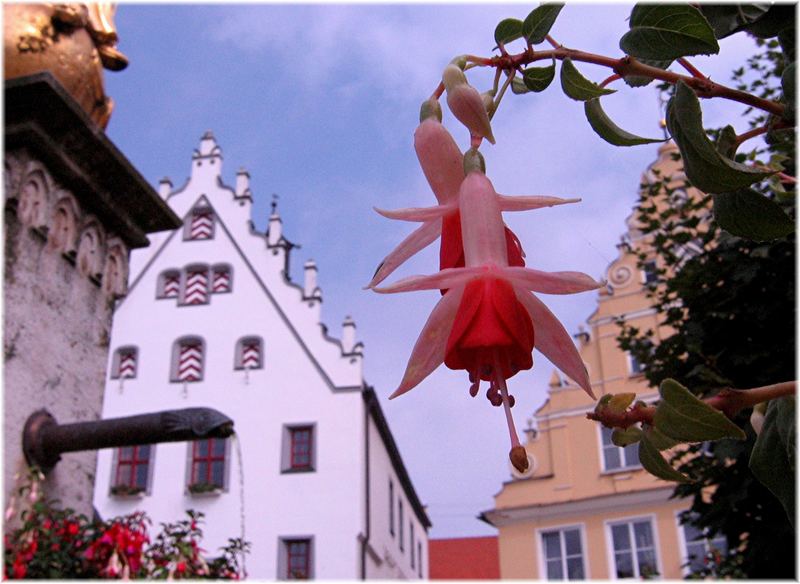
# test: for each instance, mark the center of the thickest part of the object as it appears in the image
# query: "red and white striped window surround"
(127, 363)
(221, 279)
(196, 286)
(190, 361)
(251, 354)
(202, 226)
(170, 285)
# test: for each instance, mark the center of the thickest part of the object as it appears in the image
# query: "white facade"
(253, 348)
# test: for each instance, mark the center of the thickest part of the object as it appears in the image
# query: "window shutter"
(172, 285)
(222, 280)
(190, 362)
(196, 287)
(127, 364)
(202, 225)
(251, 355)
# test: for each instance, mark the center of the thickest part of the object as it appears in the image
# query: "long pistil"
(518, 455)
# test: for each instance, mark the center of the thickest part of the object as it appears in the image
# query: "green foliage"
(668, 31)
(577, 86)
(642, 80)
(608, 130)
(681, 416)
(727, 19)
(538, 23)
(773, 458)
(749, 214)
(654, 463)
(626, 437)
(538, 78)
(705, 167)
(508, 30)
(657, 439)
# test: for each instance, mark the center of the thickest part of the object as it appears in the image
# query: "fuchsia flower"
(443, 167)
(488, 321)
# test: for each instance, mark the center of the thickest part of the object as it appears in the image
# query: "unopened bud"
(430, 108)
(452, 77)
(460, 61)
(519, 458)
(473, 160)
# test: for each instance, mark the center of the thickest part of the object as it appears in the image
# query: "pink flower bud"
(466, 103)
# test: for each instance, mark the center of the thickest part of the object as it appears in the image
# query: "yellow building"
(585, 508)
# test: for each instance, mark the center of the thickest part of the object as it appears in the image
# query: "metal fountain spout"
(44, 439)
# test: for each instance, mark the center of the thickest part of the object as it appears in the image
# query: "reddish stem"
(751, 134)
(609, 80)
(552, 41)
(691, 69)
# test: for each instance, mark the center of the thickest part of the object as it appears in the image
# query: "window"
(248, 353)
(295, 559)
(562, 554)
(698, 547)
(634, 366)
(123, 365)
(419, 559)
(196, 289)
(298, 454)
(187, 360)
(615, 457)
(411, 542)
(650, 272)
(391, 507)
(132, 470)
(169, 284)
(201, 224)
(208, 465)
(634, 549)
(400, 524)
(220, 279)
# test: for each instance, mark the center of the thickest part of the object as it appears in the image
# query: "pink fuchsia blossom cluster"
(488, 320)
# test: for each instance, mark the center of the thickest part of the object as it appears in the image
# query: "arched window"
(200, 224)
(195, 290)
(125, 362)
(249, 353)
(188, 356)
(221, 280)
(169, 284)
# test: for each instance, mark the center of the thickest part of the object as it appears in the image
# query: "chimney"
(164, 187)
(348, 335)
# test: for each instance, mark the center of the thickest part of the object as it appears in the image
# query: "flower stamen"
(517, 454)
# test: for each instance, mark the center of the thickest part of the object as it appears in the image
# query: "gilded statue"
(74, 42)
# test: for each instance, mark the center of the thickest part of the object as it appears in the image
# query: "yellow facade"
(582, 501)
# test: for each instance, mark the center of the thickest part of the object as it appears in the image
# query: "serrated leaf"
(507, 30)
(658, 439)
(727, 19)
(726, 142)
(705, 167)
(518, 86)
(538, 23)
(539, 78)
(680, 415)
(608, 130)
(641, 80)
(623, 438)
(668, 31)
(751, 215)
(577, 86)
(773, 458)
(656, 465)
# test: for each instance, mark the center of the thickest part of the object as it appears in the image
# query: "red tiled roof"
(464, 558)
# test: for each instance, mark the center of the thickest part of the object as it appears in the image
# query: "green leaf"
(518, 86)
(619, 402)
(577, 86)
(705, 167)
(655, 464)
(726, 142)
(538, 23)
(608, 130)
(539, 78)
(658, 439)
(751, 215)
(508, 30)
(641, 80)
(668, 31)
(622, 438)
(778, 19)
(727, 19)
(681, 416)
(773, 458)
(789, 86)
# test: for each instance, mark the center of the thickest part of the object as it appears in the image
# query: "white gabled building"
(212, 319)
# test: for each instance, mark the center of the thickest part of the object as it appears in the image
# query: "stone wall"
(62, 273)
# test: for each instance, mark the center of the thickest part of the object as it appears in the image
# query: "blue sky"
(319, 103)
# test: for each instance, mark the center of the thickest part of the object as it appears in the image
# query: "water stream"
(240, 464)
